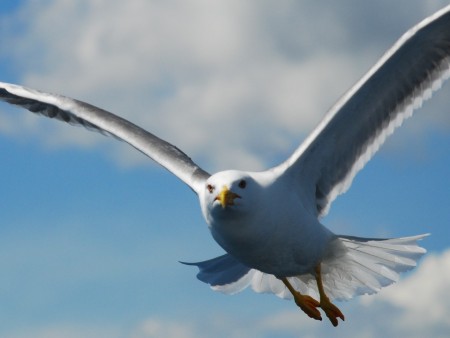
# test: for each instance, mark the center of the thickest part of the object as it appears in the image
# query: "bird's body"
(284, 241)
(269, 223)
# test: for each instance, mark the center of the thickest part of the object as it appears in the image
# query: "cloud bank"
(226, 81)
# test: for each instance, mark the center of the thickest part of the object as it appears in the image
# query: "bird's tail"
(354, 266)
(368, 264)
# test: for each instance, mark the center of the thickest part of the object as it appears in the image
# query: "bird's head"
(227, 194)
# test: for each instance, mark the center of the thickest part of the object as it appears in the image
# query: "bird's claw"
(332, 312)
(309, 306)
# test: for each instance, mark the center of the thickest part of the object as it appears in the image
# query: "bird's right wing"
(80, 113)
(354, 129)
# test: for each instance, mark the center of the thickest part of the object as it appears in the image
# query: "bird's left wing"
(80, 113)
(359, 123)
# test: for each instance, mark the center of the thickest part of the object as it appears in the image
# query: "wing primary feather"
(358, 124)
(80, 113)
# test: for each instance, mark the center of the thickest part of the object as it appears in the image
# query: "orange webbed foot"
(309, 306)
(332, 312)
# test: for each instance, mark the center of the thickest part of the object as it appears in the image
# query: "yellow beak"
(226, 197)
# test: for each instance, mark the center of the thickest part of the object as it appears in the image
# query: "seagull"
(269, 222)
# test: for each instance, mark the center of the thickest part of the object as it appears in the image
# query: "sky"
(92, 232)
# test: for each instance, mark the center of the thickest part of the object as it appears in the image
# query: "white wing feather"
(354, 129)
(80, 113)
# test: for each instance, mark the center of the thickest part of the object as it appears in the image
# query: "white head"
(227, 194)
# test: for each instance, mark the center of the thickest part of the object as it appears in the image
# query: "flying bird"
(269, 222)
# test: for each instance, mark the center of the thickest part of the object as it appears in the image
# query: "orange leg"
(308, 304)
(331, 310)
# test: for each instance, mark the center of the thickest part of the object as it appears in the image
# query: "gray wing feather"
(80, 113)
(359, 123)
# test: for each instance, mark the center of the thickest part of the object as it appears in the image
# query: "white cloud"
(423, 298)
(160, 328)
(226, 81)
(67, 331)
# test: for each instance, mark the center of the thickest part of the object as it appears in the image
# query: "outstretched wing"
(80, 113)
(359, 123)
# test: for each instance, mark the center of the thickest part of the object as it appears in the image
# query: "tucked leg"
(331, 310)
(308, 304)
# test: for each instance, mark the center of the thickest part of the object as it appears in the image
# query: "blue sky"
(91, 232)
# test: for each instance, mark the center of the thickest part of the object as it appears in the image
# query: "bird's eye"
(210, 188)
(242, 184)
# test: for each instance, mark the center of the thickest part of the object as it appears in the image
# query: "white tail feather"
(358, 266)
